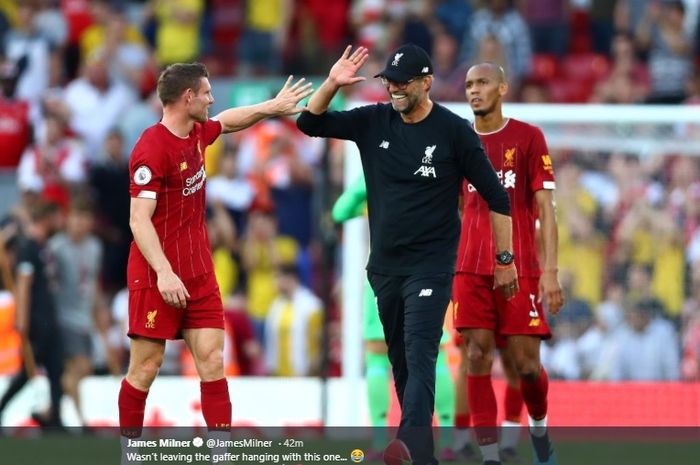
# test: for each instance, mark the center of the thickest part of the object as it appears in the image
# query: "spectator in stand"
(130, 63)
(596, 347)
(454, 15)
(77, 255)
(549, 25)
(263, 251)
(177, 33)
(93, 104)
(109, 182)
(581, 246)
(690, 365)
(78, 18)
(293, 328)
(223, 239)
(322, 29)
(533, 91)
(653, 245)
(52, 25)
(501, 20)
(29, 51)
(228, 187)
(265, 32)
(94, 36)
(628, 80)
(602, 20)
(630, 13)
(661, 33)
(54, 165)
(246, 347)
(647, 347)
(448, 73)
(15, 118)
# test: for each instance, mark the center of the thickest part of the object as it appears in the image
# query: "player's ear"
(503, 88)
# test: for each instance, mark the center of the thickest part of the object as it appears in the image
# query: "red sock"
(513, 404)
(482, 403)
(462, 420)
(132, 403)
(535, 395)
(216, 404)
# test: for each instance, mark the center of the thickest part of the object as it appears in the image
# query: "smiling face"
(406, 96)
(484, 88)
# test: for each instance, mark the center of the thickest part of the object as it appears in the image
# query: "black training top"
(414, 173)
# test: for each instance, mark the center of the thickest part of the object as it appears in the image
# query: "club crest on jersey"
(142, 175)
(428, 158)
(426, 169)
(509, 158)
(397, 57)
(547, 164)
(151, 319)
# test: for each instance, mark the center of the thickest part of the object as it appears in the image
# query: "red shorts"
(479, 306)
(458, 340)
(150, 316)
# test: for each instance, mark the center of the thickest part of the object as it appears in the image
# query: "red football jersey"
(521, 159)
(170, 170)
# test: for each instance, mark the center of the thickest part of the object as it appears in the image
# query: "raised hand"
(343, 72)
(285, 103)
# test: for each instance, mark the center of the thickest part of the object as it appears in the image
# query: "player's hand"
(343, 72)
(285, 103)
(505, 279)
(550, 291)
(172, 289)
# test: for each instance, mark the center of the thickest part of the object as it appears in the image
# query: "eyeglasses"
(400, 85)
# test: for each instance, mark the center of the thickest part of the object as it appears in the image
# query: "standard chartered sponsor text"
(198, 178)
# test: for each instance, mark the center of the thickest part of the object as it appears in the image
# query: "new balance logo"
(425, 69)
(384, 144)
(425, 293)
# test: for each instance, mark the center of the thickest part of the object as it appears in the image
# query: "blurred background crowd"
(78, 80)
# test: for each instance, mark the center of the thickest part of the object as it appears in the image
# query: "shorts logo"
(151, 319)
(425, 293)
(142, 175)
(534, 316)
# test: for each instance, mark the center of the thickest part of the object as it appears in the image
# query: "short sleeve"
(540, 169)
(211, 129)
(146, 169)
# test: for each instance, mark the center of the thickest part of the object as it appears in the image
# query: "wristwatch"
(504, 258)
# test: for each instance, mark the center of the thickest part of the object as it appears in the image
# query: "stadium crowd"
(78, 80)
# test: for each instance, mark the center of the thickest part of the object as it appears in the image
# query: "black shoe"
(49, 424)
(510, 455)
(468, 453)
(544, 452)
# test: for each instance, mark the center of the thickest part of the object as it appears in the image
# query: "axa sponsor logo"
(426, 169)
